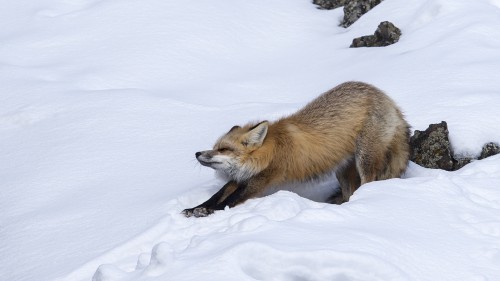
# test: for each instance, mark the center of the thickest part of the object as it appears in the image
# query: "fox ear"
(234, 128)
(257, 134)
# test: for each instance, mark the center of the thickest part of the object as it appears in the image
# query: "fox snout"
(203, 160)
(206, 158)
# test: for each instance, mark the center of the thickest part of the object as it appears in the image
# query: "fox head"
(236, 154)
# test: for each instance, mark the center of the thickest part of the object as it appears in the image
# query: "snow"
(104, 104)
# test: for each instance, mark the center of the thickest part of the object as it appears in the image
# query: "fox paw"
(197, 212)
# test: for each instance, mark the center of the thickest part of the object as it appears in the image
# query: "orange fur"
(353, 129)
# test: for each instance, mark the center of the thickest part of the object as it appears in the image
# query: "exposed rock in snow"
(432, 149)
(330, 4)
(386, 34)
(353, 10)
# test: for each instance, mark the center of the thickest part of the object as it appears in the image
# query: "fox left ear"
(257, 134)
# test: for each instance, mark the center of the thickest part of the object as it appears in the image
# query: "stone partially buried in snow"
(431, 148)
(354, 9)
(330, 4)
(386, 34)
(489, 149)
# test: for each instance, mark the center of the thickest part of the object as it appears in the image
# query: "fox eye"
(224, 149)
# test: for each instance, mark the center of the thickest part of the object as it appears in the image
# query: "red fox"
(354, 130)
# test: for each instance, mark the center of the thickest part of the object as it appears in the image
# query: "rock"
(354, 9)
(460, 162)
(489, 149)
(364, 41)
(431, 148)
(386, 34)
(330, 4)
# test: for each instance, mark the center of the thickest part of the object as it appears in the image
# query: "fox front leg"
(212, 204)
(245, 191)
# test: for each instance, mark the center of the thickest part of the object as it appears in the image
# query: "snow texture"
(104, 103)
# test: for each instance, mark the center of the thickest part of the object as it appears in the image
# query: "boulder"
(489, 149)
(330, 4)
(354, 9)
(431, 148)
(386, 34)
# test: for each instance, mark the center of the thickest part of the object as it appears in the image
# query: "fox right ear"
(257, 134)
(234, 128)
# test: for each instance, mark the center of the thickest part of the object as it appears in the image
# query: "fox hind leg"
(397, 156)
(371, 153)
(380, 158)
(349, 181)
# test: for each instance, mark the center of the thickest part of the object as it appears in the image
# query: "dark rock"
(459, 162)
(386, 34)
(330, 4)
(354, 9)
(364, 41)
(489, 149)
(431, 148)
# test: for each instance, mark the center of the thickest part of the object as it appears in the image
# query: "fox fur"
(354, 130)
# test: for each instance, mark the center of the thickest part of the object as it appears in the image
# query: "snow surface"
(104, 103)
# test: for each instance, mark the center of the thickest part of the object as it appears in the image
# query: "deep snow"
(105, 102)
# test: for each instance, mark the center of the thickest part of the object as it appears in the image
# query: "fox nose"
(197, 154)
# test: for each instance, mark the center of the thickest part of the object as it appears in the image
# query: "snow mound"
(392, 230)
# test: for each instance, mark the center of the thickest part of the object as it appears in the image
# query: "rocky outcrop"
(354, 9)
(432, 149)
(489, 149)
(330, 4)
(386, 34)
